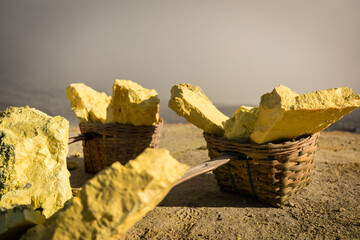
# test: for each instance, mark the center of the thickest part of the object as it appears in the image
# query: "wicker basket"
(272, 172)
(116, 142)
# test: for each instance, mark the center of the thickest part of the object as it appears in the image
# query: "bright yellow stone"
(88, 104)
(33, 150)
(14, 222)
(115, 199)
(241, 125)
(133, 104)
(286, 115)
(191, 102)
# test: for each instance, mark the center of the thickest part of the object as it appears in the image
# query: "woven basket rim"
(266, 146)
(160, 122)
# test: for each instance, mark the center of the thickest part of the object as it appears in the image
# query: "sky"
(234, 50)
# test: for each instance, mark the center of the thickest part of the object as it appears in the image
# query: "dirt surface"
(328, 208)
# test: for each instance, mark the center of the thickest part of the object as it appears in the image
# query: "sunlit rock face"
(111, 202)
(284, 114)
(33, 150)
(133, 104)
(191, 102)
(88, 104)
(241, 124)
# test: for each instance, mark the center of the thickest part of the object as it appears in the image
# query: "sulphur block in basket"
(285, 115)
(133, 104)
(14, 222)
(33, 150)
(116, 198)
(88, 104)
(191, 102)
(241, 124)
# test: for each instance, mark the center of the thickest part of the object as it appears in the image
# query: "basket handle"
(83, 136)
(205, 167)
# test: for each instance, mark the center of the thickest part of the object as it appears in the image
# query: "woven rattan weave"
(116, 142)
(272, 172)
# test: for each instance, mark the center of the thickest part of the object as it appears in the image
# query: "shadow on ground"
(78, 175)
(202, 191)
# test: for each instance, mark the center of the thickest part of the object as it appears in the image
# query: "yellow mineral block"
(14, 222)
(191, 102)
(88, 104)
(241, 125)
(285, 115)
(115, 199)
(133, 104)
(33, 150)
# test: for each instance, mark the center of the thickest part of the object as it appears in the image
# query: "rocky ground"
(326, 209)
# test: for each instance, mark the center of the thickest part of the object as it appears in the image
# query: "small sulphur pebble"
(71, 165)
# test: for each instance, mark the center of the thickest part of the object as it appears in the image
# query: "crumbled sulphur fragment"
(88, 104)
(285, 115)
(191, 102)
(14, 222)
(115, 199)
(241, 125)
(133, 104)
(33, 150)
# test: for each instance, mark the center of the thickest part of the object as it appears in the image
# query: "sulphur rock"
(14, 222)
(71, 165)
(88, 104)
(116, 198)
(133, 104)
(191, 102)
(241, 124)
(33, 149)
(285, 115)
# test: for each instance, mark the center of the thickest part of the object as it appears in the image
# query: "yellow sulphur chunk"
(88, 104)
(115, 199)
(191, 103)
(285, 115)
(241, 124)
(33, 150)
(133, 104)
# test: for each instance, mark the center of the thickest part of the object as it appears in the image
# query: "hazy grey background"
(235, 50)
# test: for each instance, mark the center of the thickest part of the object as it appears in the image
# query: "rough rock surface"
(285, 115)
(14, 222)
(133, 104)
(33, 150)
(88, 104)
(111, 202)
(191, 102)
(241, 124)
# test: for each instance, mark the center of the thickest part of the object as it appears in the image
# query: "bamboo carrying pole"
(205, 167)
